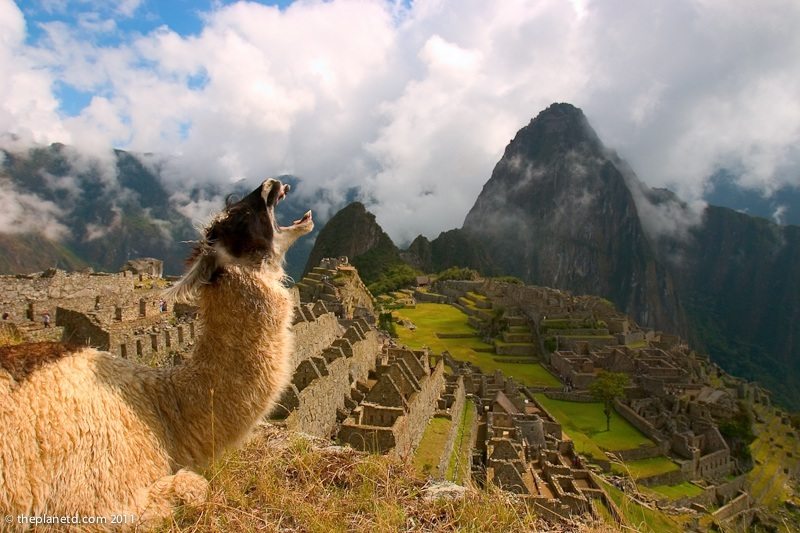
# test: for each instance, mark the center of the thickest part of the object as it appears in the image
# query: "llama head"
(245, 233)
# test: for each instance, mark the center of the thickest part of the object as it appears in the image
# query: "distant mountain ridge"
(103, 220)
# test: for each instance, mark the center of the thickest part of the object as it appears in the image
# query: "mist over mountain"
(557, 211)
(61, 208)
(782, 206)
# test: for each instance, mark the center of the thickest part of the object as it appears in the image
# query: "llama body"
(96, 435)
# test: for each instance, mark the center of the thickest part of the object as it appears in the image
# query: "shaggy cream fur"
(96, 435)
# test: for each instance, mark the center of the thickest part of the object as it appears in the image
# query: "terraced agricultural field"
(430, 319)
(588, 419)
(774, 450)
(643, 468)
(641, 518)
(674, 492)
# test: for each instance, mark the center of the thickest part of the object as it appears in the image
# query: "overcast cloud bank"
(414, 103)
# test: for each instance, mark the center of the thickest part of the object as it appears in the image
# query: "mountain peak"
(559, 128)
(353, 232)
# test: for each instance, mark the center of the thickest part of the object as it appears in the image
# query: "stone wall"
(17, 291)
(428, 297)
(319, 399)
(153, 345)
(668, 478)
(313, 333)
(642, 452)
(406, 431)
(714, 465)
(725, 491)
(638, 422)
(409, 428)
(53, 284)
(737, 505)
(572, 396)
(79, 328)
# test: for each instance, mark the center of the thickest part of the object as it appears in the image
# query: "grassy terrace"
(284, 482)
(580, 419)
(639, 517)
(773, 450)
(430, 448)
(458, 469)
(646, 467)
(430, 319)
(674, 492)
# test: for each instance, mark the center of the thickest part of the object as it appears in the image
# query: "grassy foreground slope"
(282, 481)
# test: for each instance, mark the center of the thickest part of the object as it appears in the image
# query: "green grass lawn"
(458, 468)
(639, 517)
(675, 492)
(646, 467)
(430, 319)
(588, 419)
(429, 451)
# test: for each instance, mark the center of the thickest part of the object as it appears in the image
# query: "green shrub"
(457, 273)
(393, 278)
(386, 323)
(550, 344)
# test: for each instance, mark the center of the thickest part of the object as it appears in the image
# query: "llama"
(90, 434)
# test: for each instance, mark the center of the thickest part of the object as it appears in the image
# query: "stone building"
(398, 401)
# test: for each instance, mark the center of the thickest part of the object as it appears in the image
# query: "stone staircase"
(318, 285)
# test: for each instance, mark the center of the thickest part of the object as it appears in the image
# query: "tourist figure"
(46, 316)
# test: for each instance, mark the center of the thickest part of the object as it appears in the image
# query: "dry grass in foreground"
(286, 482)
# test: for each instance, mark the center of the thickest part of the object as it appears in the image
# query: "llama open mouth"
(307, 217)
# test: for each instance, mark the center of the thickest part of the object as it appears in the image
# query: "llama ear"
(200, 273)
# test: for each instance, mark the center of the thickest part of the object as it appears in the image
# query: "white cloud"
(779, 214)
(21, 212)
(414, 104)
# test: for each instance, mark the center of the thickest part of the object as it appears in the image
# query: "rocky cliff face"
(558, 212)
(739, 279)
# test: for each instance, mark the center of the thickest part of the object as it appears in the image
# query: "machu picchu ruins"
(354, 384)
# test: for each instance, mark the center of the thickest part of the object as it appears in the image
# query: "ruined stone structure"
(337, 283)
(120, 313)
(398, 401)
(148, 266)
(520, 447)
(677, 397)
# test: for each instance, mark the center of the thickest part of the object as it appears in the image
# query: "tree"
(607, 387)
(495, 325)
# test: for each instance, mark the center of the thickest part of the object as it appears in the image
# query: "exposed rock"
(443, 489)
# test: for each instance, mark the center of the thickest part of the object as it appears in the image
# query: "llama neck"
(239, 366)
